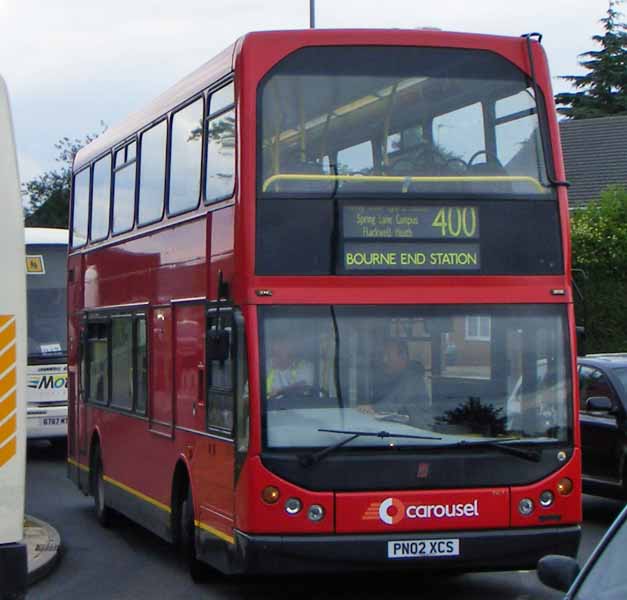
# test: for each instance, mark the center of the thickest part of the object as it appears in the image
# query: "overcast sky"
(70, 64)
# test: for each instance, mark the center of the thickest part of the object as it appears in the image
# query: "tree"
(49, 194)
(603, 90)
(599, 249)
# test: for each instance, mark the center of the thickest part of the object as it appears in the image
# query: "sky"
(72, 64)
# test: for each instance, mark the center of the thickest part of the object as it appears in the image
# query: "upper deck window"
(124, 189)
(399, 120)
(80, 213)
(101, 197)
(221, 145)
(186, 155)
(152, 173)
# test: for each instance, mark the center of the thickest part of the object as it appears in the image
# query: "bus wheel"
(187, 530)
(103, 512)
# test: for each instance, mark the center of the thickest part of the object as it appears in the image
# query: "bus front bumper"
(494, 550)
(46, 422)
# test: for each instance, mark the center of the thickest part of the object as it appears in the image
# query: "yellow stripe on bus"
(139, 495)
(7, 406)
(216, 532)
(78, 465)
(7, 336)
(7, 359)
(7, 451)
(130, 490)
(7, 383)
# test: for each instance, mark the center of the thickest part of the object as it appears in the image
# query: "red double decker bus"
(320, 313)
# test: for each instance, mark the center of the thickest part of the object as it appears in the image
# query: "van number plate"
(423, 548)
(54, 420)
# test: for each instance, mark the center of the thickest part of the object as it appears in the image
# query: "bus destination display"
(410, 238)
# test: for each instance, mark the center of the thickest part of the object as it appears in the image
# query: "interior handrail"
(407, 180)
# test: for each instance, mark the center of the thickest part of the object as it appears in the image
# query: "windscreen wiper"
(501, 445)
(308, 460)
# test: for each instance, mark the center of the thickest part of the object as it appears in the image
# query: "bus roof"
(45, 235)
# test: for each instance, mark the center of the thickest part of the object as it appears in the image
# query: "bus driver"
(404, 390)
(288, 371)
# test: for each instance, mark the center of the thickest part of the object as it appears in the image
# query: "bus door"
(189, 369)
(216, 466)
(161, 414)
(78, 378)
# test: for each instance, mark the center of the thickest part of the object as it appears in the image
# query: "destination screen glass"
(46, 301)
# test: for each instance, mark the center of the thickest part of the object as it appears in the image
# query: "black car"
(603, 419)
(603, 577)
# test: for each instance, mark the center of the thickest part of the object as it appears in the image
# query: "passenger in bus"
(403, 390)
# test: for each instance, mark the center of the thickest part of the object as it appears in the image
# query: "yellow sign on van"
(35, 265)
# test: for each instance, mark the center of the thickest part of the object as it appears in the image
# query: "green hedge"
(599, 248)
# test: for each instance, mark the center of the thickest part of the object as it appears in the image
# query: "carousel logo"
(392, 511)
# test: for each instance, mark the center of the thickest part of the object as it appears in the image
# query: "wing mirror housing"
(218, 345)
(599, 404)
(558, 572)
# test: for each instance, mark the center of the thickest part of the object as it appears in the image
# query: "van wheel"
(187, 528)
(103, 512)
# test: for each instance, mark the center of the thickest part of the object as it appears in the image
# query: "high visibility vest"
(293, 376)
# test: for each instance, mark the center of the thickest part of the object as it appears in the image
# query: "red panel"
(213, 467)
(161, 371)
(256, 516)
(566, 510)
(189, 360)
(438, 510)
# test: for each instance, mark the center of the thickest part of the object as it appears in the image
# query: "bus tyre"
(103, 512)
(196, 569)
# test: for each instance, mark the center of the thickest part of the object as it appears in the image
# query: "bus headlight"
(293, 506)
(525, 506)
(315, 513)
(546, 498)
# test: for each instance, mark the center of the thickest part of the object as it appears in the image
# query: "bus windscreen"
(399, 121)
(46, 299)
(445, 373)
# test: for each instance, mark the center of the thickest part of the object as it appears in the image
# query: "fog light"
(270, 494)
(525, 506)
(564, 486)
(316, 512)
(293, 506)
(546, 498)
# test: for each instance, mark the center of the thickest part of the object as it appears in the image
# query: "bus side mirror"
(218, 346)
(581, 341)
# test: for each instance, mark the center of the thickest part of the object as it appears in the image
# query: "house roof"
(595, 155)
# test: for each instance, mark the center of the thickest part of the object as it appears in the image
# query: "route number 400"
(456, 221)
